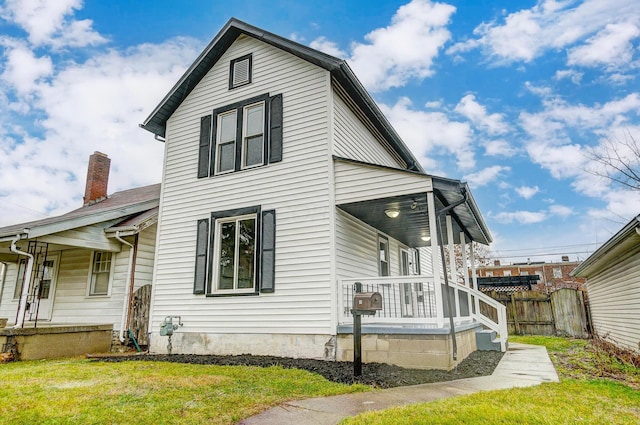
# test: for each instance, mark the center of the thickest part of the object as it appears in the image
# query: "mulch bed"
(479, 363)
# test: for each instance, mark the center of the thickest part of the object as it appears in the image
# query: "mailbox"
(367, 301)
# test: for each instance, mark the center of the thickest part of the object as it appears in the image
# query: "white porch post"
(435, 259)
(465, 267)
(474, 278)
(452, 266)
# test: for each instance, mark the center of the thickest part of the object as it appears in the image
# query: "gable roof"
(121, 204)
(622, 242)
(156, 122)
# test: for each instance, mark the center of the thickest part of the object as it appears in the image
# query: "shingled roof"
(124, 204)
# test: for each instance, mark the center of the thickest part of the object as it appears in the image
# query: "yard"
(595, 388)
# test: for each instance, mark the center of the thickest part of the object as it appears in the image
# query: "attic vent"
(240, 72)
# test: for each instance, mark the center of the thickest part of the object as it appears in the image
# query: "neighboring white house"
(81, 268)
(613, 287)
(283, 185)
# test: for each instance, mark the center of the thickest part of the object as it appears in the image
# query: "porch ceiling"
(409, 227)
(412, 224)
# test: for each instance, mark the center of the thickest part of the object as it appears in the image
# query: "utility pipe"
(439, 214)
(125, 303)
(22, 305)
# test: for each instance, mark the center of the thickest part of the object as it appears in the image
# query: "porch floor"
(408, 328)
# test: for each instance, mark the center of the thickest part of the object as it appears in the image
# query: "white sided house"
(613, 287)
(283, 186)
(69, 281)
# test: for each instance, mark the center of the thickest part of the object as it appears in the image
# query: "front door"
(407, 291)
(44, 281)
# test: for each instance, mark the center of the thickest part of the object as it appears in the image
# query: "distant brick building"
(552, 276)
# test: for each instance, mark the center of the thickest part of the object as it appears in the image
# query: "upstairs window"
(240, 71)
(242, 135)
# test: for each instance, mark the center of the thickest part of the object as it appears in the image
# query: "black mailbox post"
(364, 303)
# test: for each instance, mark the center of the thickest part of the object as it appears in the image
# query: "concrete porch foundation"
(408, 346)
(50, 342)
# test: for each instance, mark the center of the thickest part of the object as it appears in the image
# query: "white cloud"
(477, 114)
(486, 176)
(95, 105)
(522, 217)
(328, 47)
(404, 49)
(574, 76)
(551, 134)
(428, 132)
(499, 148)
(549, 25)
(610, 46)
(527, 192)
(560, 210)
(47, 22)
(22, 69)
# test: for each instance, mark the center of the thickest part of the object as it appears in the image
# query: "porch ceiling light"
(426, 238)
(392, 212)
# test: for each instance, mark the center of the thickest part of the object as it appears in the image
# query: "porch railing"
(416, 300)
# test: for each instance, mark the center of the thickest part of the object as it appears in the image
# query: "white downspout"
(125, 303)
(22, 305)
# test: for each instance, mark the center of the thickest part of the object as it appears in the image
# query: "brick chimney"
(97, 178)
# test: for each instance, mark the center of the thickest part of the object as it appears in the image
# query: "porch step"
(486, 340)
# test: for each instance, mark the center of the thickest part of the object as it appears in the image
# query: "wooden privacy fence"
(562, 312)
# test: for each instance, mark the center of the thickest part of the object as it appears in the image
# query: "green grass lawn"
(79, 391)
(594, 389)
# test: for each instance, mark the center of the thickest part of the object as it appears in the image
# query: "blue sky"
(506, 95)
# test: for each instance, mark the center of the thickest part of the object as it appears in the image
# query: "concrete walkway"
(522, 366)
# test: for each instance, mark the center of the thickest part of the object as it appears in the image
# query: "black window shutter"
(202, 241)
(275, 129)
(268, 251)
(203, 151)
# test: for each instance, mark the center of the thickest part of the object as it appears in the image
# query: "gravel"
(479, 363)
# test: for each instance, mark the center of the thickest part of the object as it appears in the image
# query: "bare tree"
(481, 254)
(616, 160)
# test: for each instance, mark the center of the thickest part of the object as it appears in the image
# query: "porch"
(420, 324)
(432, 314)
(49, 341)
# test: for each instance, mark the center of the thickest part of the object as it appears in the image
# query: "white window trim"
(382, 238)
(216, 256)
(219, 145)
(111, 276)
(245, 136)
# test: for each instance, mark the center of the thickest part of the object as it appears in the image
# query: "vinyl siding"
(73, 305)
(8, 306)
(359, 182)
(357, 249)
(145, 256)
(614, 300)
(297, 188)
(353, 140)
